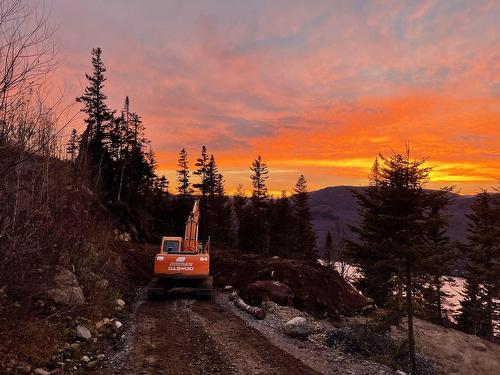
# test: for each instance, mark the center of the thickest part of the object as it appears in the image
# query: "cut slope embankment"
(454, 352)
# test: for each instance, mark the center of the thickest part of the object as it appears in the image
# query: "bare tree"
(27, 56)
(29, 126)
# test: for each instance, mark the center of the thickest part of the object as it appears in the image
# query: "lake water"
(454, 287)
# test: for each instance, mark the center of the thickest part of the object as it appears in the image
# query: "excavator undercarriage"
(164, 288)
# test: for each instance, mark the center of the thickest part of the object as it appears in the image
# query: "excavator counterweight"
(182, 266)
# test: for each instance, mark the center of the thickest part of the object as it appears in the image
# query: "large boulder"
(270, 290)
(66, 289)
(297, 327)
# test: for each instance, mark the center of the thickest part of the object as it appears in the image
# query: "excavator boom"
(191, 232)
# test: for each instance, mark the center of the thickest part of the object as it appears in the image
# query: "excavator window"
(171, 247)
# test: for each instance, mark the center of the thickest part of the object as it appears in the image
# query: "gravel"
(314, 353)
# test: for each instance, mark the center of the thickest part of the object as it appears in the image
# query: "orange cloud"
(318, 89)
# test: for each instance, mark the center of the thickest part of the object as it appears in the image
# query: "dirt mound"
(270, 290)
(318, 289)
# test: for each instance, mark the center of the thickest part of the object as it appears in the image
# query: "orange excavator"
(183, 264)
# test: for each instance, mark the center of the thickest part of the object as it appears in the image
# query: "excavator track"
(156, 290)
(163, 288)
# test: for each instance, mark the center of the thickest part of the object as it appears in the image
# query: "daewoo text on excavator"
(183, 264)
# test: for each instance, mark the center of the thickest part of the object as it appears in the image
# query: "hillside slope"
(335, 207)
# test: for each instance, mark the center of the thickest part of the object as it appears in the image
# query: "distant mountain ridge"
(335, 207)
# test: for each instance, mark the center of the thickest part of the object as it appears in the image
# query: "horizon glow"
(315, 87)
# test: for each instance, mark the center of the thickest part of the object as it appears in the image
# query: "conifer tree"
(123, 146)
(257, 215)
(201, 171)
(162, 185)
(471, 317)
(184, 187)
(98, 115)
(281, 226)
(239, 202)
(304, 237)
(219, 185)
(394, 211)
(72, 146)
(328, 246)
(484, 265)
(139, 161)
(211, 177)
(438, 255)
(218, 206)
(259, 176)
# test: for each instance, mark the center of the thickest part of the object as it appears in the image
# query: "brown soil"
(188, 337)
(318, 289)
(131, 265)
(454, 352)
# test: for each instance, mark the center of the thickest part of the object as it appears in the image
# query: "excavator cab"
(183, 264)
(171, 245)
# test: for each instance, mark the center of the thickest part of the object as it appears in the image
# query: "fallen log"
(256, 312)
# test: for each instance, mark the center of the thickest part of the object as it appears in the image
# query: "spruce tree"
(139, 161)
(239, 202)
(484, 262)
(304, 237)
(328, 246)
(162, 185)
(216, 219)
(260, 174)
(281, 225)
(437, 254)
(201, 171)
(184, 187)
(98, 115)
(257, 214)
(212, 177)
(391, 238)
(472, 317)
(377, 279)
(72, 146)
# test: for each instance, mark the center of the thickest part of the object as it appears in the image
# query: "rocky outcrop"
(269, 290)
(297, 327)
(66, 289)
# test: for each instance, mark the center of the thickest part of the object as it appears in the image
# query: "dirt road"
(197, 337)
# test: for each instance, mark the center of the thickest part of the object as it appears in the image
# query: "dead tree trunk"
(257, 312)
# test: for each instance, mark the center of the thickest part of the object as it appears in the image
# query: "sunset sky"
(315, 87)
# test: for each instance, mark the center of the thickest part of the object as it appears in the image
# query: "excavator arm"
(191, 232)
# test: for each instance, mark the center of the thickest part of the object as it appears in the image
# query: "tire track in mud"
(245, 346)
(195, 337)
(167, 340)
